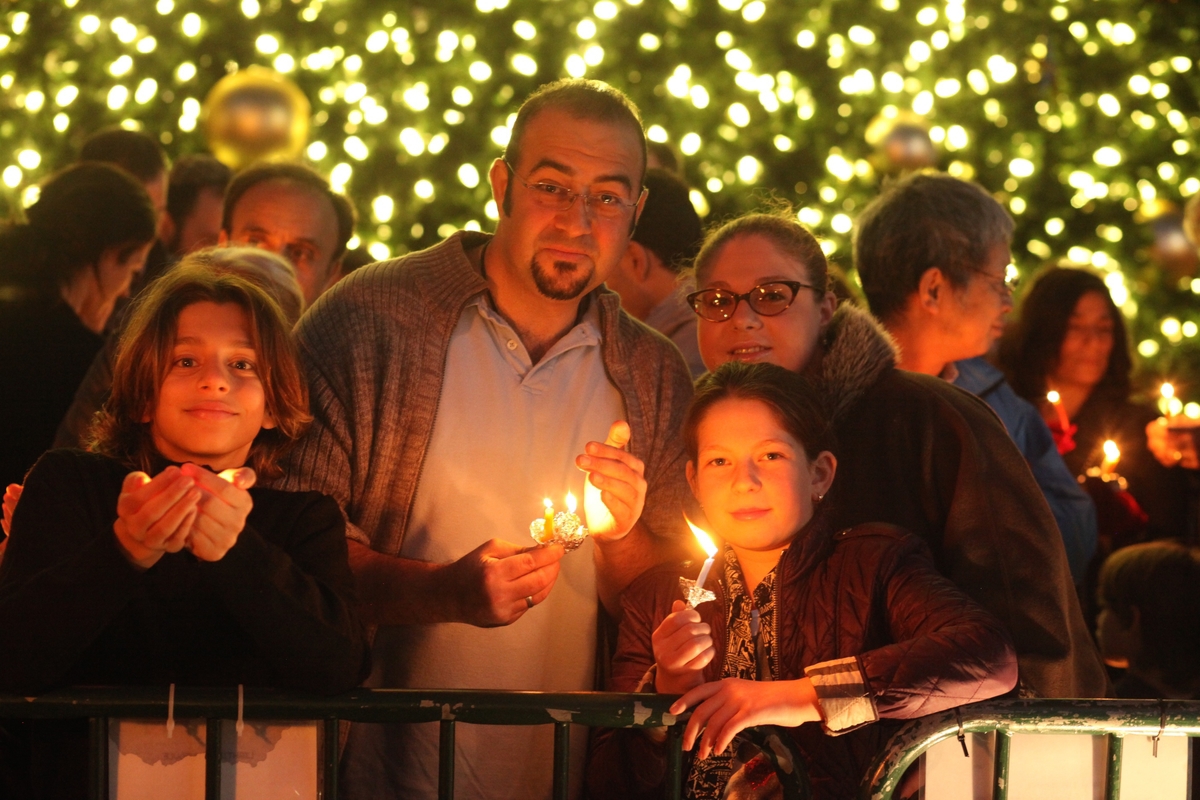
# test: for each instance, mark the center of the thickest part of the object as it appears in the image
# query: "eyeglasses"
(560, 198)
(1002, 286)
(766, 300)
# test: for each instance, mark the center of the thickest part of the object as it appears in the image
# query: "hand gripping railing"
(447, 707)
(1115, 719)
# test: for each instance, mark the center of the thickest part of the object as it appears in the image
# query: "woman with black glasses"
(915, 451)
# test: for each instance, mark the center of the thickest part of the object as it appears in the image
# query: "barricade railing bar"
(446, 707)
(1114, 719)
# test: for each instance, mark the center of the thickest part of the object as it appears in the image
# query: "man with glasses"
(933, 255)
(453, 390)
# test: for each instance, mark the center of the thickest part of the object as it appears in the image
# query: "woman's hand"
(155, 516)
(1172, 445)
(222, 510)
(683, 647)
(726, 707)
(619, 477)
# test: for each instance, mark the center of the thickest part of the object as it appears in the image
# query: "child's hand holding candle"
(155, 515)
(221, 511)
(683, 647)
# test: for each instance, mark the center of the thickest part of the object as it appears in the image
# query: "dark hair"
(582, 99)
(81, 211)
(781, 229)
(190, 175)
(792, 397)
(137, 153)
(291, 172)
(1162, 580)
(922, 221)
(1030, 349)
(669, 225)
(144, 356)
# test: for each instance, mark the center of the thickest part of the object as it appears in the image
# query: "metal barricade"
(447, 707)
(1114, 719)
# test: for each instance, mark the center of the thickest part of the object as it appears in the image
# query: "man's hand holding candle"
(155, 515)
(221, 514)
(620, 478)
(683, 647)
(498, 582)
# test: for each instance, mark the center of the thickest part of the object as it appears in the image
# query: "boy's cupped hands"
(186, 506)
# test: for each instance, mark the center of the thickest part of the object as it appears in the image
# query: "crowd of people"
(231, 459)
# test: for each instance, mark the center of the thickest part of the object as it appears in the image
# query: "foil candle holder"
(566, 528)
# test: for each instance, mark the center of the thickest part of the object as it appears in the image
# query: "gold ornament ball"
(901, 141)
(255, 114)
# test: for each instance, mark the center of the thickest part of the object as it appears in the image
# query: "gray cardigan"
(374, 348)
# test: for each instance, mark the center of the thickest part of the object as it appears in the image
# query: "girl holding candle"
(1070, 339)
(915, 451)
(138, 563)
(810, 624)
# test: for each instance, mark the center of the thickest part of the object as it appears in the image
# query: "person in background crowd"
(665, 156)
(273, 274)
(1174, 441)
(153, 559)
(289, 209)
(647, 278)
(143, 157)
(809, 624)
(932, 252)
(915, 451)
(195, 194)
(453, 390)
(60, 276)
(303, 199)
(1149, 622)
(1071, 338)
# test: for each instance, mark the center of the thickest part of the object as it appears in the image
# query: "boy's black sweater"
(276, 611)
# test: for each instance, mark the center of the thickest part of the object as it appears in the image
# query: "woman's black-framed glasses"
(766, 299)
(560, 198)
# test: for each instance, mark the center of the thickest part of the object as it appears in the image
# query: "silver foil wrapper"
(569, 531)
(695, 595)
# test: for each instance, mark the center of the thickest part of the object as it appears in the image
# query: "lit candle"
(548, 531)
(1064, 422)
(695, 591)
(571, 504)
(599, 519)
(1167, 391)
(1112, 455)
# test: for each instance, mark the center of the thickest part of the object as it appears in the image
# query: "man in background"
(648, 277)
(290, 209)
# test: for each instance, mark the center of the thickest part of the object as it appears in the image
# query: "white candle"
(709, 547)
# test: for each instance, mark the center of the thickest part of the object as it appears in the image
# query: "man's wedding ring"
(529, 601)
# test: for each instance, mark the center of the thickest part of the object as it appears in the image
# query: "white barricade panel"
(267, 761)
(1057, 767)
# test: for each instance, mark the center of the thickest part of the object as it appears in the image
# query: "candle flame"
(548, 504)
(705, 541)
(1168, 391)
(571, 504)
(1111, 451)
(1053, 396)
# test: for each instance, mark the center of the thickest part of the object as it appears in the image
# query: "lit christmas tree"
(1081, 116)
